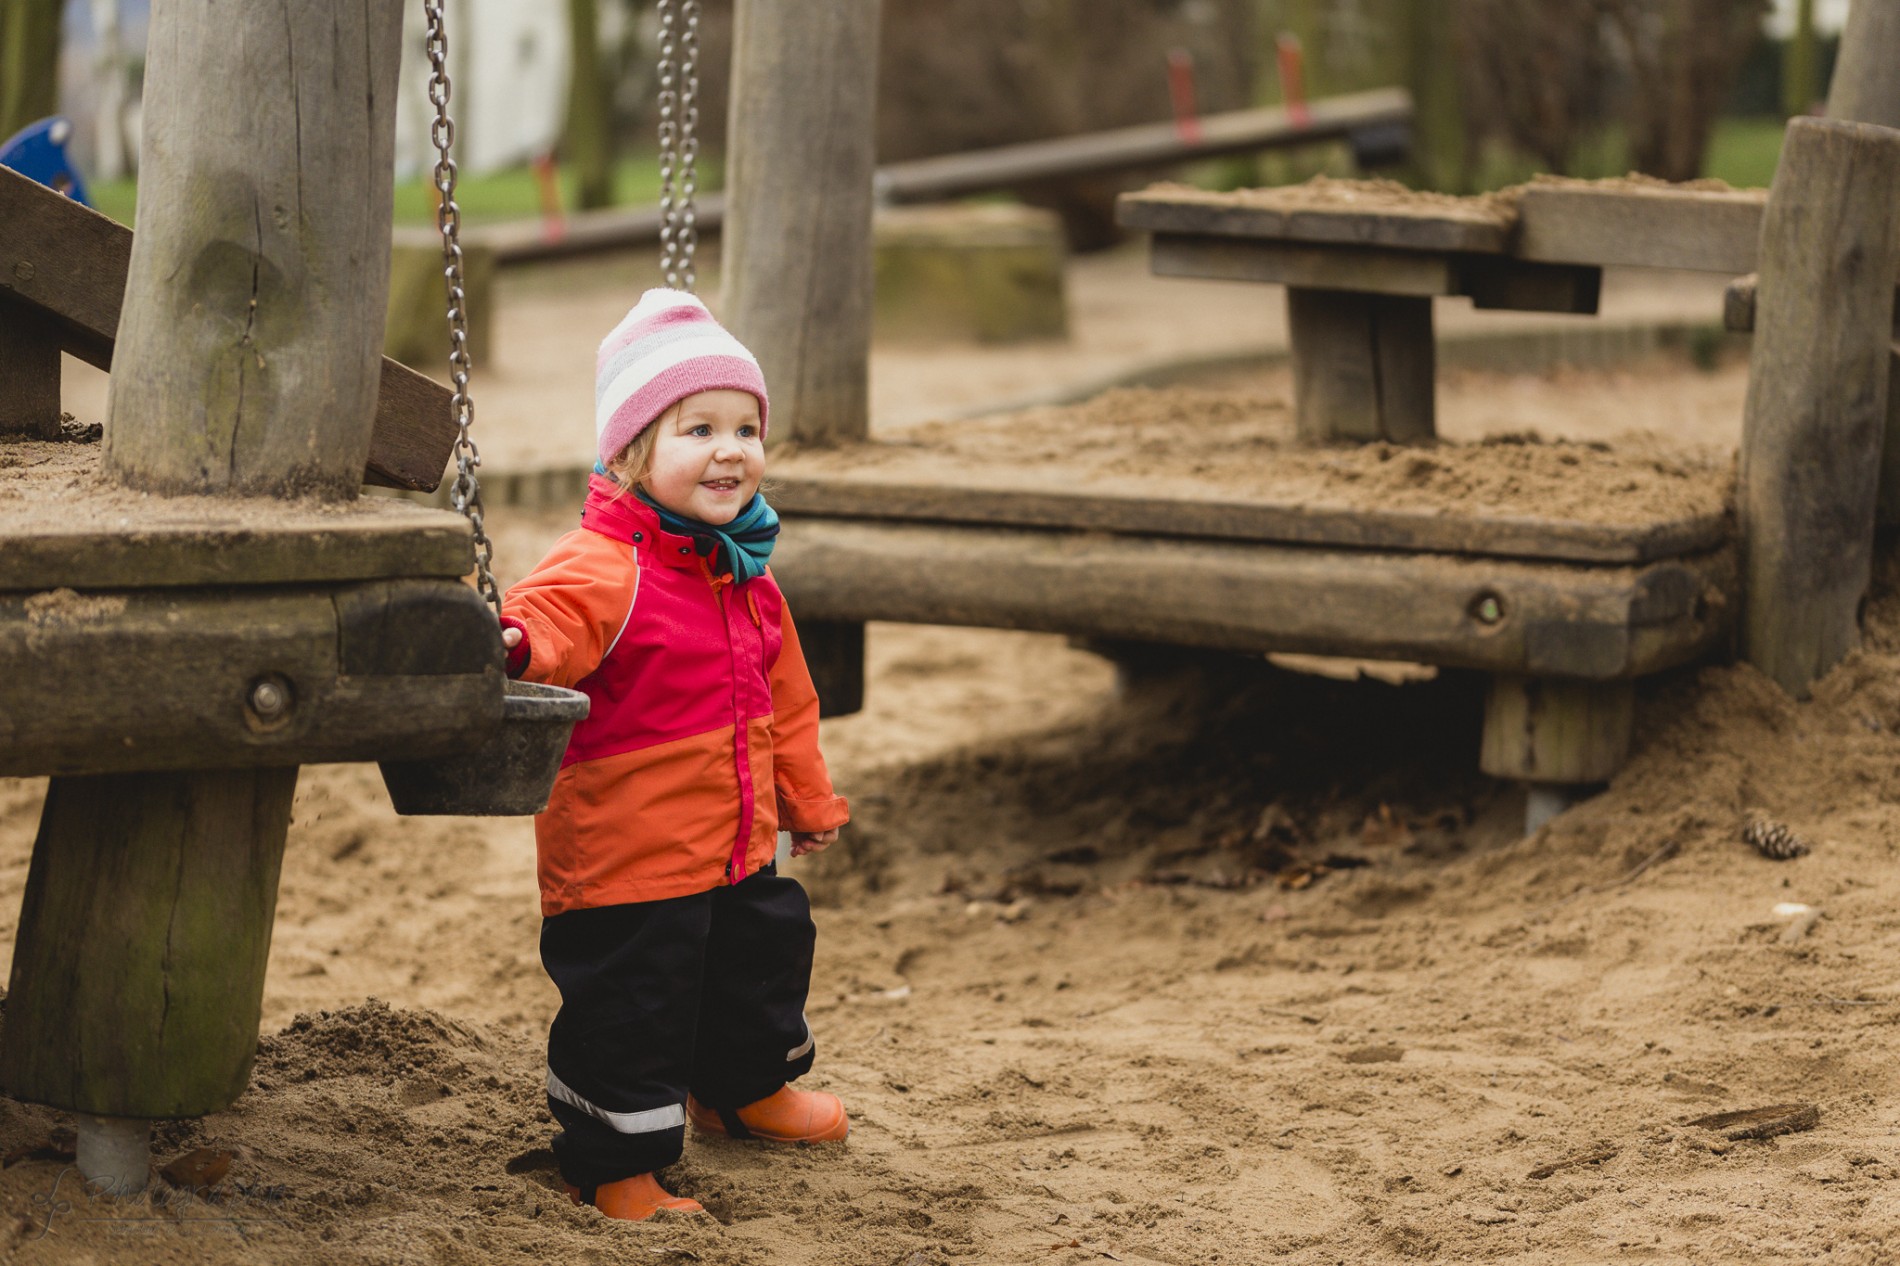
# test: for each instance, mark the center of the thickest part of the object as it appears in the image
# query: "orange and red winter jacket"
(702, 741)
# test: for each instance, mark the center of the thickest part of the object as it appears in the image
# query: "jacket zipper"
(741, 746)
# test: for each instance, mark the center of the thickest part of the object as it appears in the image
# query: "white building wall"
(508, 84)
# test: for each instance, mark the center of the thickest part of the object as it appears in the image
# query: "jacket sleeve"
(573, 606)
(806, 801)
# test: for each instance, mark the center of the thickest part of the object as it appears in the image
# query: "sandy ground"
(1215, 964)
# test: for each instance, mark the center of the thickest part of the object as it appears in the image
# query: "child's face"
(708, 456)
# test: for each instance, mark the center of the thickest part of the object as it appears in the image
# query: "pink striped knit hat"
(665, 349)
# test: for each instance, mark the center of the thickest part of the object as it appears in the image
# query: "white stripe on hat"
(622, 386)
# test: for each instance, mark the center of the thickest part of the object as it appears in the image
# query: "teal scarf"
(741, 547)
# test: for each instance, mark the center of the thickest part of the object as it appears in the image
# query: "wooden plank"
(163, 679)
(1598, 623)
(1740, 296)
(1297, 214)
(1550, 730)
(1663, 227)
(148, 912)
(60, 528)
(1363, 366)
(983, 171)
(69, 262)
(898, 497)
(1517, 285)
(1817, 396)
(1369, 270)
(29, 374)
(1143, 145)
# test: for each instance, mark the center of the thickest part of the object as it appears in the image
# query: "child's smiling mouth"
(720, 485)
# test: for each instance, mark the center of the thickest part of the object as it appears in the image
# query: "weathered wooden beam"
(904, 493)
(1739, 300)
(1865, 87)
(1553, 730)
(1516, 285)
(256, 288)
(69, 263)
(156, 679)
(1663, 227)
(796, 252)
(1143, 145)
(1540, 620)
(1364, 269)
(1491, 281)
(1294, 215)
(29, 374)
(63, 529)
(143, 936)
(1364, 366)
(1817, 396)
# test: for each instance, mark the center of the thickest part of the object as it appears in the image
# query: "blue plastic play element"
(38, 152)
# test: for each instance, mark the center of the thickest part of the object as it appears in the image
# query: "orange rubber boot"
(634, 1199)
(784, 1116)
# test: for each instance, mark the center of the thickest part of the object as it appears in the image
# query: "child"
(682, 956)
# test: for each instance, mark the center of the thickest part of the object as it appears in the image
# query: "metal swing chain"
(679, 140)
(465, 494)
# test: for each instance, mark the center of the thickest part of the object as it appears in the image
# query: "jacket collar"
(624, 517)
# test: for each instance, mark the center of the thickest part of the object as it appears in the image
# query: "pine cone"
(1772, 839)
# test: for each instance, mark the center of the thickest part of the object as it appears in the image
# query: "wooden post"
(1556, 730)
(1817, 396)
(796, 243)
(254, 298)
(248, 363)
(140, 1003)
(29, 374)
(1866, 89)
(1866, 83)
(1362, 366)
(795, 248)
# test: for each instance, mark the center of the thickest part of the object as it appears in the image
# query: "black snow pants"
(704, 993)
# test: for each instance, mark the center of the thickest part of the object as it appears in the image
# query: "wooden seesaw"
(201, 604)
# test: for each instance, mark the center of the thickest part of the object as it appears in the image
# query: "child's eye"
(748, 431)
(702, 430)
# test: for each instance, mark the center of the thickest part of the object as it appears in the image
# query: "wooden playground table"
(1564, 615)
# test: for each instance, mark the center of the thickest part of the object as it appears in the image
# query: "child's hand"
(511, 638)
(804, 842)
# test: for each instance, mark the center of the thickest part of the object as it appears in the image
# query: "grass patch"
(1744, 151)
(488, 198)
